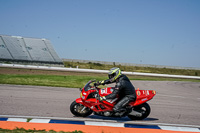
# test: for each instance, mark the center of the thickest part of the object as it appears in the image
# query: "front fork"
(83, 108)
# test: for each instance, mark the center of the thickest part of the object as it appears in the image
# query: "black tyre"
(77, 109)
(143, 109)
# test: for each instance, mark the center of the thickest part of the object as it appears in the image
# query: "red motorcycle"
(89, 102)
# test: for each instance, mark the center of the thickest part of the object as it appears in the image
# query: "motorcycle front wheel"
(143, 110)
(80, 110)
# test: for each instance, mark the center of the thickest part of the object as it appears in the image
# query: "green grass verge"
(22, 130)
(74, 81)
(71, 81)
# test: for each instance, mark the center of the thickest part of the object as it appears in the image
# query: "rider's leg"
(123, 102)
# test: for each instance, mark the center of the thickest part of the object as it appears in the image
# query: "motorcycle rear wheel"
(77, 109)
(144, 109)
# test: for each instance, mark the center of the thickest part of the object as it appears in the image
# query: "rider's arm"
(113, 94)
(105, 82)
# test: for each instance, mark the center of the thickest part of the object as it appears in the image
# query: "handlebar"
(94, 87)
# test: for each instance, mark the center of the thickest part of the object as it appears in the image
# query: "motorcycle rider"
(123, 88)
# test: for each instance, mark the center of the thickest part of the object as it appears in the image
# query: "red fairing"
(79, 100)
(143, 96)
(106, 91)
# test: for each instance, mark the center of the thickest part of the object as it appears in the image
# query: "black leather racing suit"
(124, 89)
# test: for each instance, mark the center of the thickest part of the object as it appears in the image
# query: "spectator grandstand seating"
(32, 50)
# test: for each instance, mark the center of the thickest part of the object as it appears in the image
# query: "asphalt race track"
(174, 103)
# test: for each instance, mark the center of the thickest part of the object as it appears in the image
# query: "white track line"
(40, 121)
(104, 124)
(188, 129)
(17, 119)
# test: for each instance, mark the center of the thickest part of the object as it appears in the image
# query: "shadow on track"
(119, 119)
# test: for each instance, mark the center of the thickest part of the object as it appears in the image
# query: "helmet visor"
(110, 76)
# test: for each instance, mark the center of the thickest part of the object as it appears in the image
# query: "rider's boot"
(119, 112)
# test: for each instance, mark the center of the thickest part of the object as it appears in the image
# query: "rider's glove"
(102, 98)
(99, 83)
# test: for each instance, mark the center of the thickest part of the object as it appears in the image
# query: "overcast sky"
(157, 32)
